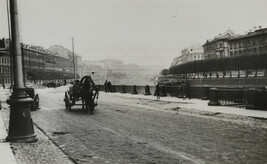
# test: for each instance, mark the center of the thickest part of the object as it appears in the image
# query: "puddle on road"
(121, 111)
(174, 109)
(60, 133)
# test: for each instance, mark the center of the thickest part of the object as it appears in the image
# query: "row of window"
(198, 56)
(4, 61)
(248, 43)
(248, 51)
(35, 60)
(255, 42)
(214, 46)
(5, 80)
(5, 69)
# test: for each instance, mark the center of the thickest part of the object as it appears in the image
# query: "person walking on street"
(109, 86)
(157, 92)
(187, 90)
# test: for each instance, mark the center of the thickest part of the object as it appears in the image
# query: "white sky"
(145, 32)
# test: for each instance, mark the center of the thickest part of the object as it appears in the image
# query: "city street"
(124, 130)
(209, 82)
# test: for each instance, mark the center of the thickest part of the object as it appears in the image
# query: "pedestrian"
(106, 86)
(210, 74)
(109, 86)
(157, 92)
(187, 90)
(4, 86)
(76, 90)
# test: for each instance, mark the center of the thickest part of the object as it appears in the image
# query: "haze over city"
(142, 32)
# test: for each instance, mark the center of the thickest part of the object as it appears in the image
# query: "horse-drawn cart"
(83, 91)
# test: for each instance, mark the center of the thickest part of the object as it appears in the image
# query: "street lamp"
(20, 122)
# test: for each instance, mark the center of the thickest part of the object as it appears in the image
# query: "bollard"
(250, 98)
(147, 90)
(163, 91)
(134, 91)
(205, 92)
(256, 99)
(180, 95)
(123, 89)
(214, 97)
(261, 96)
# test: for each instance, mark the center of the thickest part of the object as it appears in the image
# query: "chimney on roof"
(259, 27)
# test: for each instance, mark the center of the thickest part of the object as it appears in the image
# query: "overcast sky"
(145, 32)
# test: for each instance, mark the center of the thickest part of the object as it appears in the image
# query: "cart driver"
(76, 89)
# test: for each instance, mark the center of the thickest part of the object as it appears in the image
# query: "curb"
(7, 155)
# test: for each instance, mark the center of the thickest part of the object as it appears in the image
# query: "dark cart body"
(85, 92)
(35, 97)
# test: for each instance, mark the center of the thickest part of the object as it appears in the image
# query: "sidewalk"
(7, 156)
(202, 105)
(44, 151)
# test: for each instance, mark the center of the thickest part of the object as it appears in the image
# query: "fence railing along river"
(246, 97)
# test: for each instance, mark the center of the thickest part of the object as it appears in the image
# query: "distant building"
(250, 43)
(177, 61)
(191, 53)
(63, 52)
(111, 64)
(60, 51)
(218, 47)
(95, 69)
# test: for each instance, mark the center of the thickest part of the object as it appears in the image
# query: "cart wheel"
(35, 104)
(84, 106)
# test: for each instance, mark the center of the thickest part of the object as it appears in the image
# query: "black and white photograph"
(133, 82)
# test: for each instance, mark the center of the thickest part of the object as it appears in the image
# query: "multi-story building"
(60, 51)
(63, 52)
(176, 61)
(5, 62)
(191, 53)
(249, 44)
(218, 47)
(38, 64)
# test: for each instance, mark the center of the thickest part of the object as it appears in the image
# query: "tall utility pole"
(20, 122)
(74, 64)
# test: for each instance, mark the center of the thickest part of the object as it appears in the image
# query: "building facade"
(191, 53)
(39, 64)
(5, 63)
(250, 44)
(63, 52)
(218, 47)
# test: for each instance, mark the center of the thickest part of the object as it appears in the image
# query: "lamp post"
(20, 122)
(74, 63)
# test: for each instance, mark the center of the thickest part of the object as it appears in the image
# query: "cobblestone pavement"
(141, 131)
(44, 151)
(144, 131)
